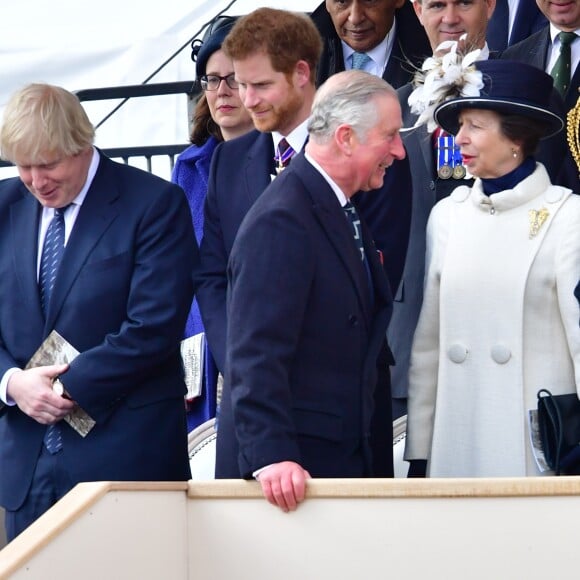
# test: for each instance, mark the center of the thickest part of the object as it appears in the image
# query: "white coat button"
(500, 354)
(554, 195)
(457, 353)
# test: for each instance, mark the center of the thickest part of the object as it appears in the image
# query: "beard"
(283, 117)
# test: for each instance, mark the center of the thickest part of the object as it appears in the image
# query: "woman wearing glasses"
(218, 116)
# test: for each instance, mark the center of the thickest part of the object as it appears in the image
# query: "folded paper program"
(57, 350)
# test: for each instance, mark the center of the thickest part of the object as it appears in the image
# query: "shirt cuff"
(256, 474)
(4, 387)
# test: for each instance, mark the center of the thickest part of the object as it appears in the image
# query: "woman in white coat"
(499, 320)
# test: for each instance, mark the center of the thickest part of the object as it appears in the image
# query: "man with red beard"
(275, 54)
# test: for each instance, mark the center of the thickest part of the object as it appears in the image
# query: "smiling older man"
(309, 303)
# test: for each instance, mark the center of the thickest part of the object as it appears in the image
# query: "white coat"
(499, 322)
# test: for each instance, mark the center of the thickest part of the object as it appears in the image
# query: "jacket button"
(500, 354)
(352, 319)
(457, 353)
(431, 185)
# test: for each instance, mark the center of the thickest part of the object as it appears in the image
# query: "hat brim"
(447, 114)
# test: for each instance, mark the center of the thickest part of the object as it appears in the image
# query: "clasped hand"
(31, 390)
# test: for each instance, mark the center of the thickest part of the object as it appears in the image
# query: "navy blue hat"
(510, 87)
(212, 41)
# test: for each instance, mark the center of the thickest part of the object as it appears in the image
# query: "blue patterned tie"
(360, 60)
(52, 251)
(354, 221)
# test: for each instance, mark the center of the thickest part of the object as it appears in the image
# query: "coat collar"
(535, 186)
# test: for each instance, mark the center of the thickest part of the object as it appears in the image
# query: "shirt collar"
(80, 198)
(380, 54)
(296, 138)
(337, 191)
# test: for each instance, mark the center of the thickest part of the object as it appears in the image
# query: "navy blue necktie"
(52, 251)
(354, 221)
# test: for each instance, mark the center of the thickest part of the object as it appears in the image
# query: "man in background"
(309, 304)
(102, 253)
(382, 37)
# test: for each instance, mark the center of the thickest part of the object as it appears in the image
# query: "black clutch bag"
(559, 426)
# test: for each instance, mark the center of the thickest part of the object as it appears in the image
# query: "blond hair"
(42, 120)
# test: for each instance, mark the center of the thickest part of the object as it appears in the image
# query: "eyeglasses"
(212, 82)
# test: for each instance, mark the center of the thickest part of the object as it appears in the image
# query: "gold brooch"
(537, 219)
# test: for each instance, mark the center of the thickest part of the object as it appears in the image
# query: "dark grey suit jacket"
(240, 171)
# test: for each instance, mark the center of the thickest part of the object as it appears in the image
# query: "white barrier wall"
(447, 529)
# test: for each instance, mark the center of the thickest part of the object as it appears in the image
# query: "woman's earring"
(515, 153)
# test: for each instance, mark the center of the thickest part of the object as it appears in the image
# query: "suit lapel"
(527, 21)
(521, 28)
(334, 223)
(538, 55)
(382, 290)
(95, 216)
(259, 166)
(25, 215)
(395, 72)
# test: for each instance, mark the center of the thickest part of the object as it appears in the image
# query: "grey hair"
(346, 98)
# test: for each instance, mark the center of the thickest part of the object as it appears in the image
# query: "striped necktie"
(283, 155)
(52, 251)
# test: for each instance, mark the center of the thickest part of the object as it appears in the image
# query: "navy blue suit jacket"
(304, 333)
(528, 19)
(534, 50)
(240, 171)
(121, 298)
(410, 48)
